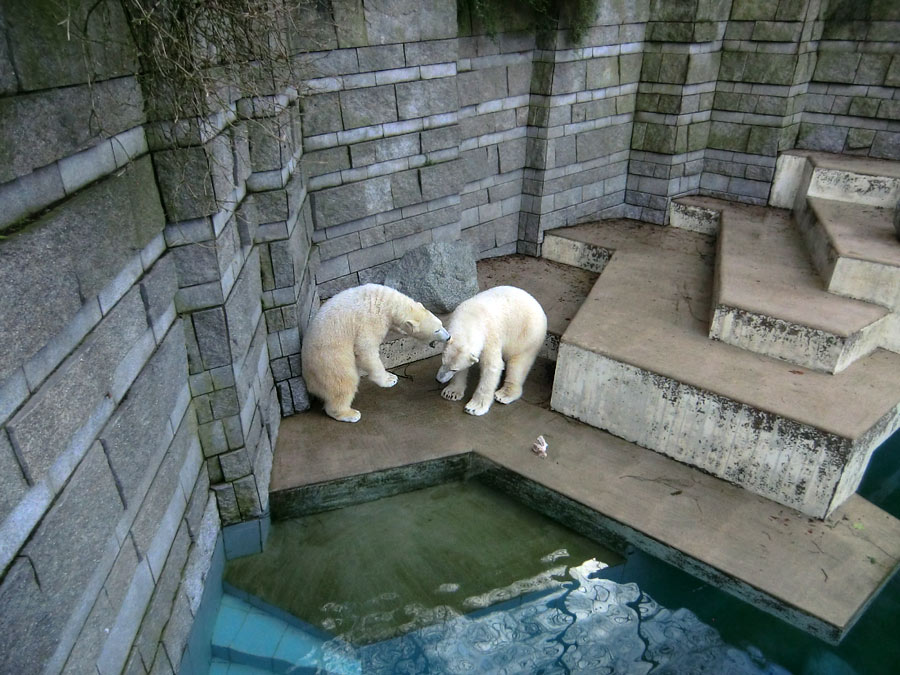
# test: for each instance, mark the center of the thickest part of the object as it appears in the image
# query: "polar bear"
(342, 341)
(500, 325)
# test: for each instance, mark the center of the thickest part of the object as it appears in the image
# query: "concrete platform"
(819, 575)
(637, 361)
(768, 298)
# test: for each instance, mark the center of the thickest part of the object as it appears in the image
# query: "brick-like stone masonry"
(156, 278)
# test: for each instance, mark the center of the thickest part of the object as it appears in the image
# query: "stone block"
(162, 600)
(368, 106)
(703, 68)
(186, 182)
(860, 138)
(133, 438)
(341, 204)
(763, 141)
(387, 149)
(45, 585)
(94, 45)
(269, 141)
(441, 180)
(484, 84)
(821, 137)
(872, 69)
(43, 428)
(72, 252)
(321, 114)
(370, 257)
(285, 257)
(511, 155)
(426, 97)
(211, 337)
(242, 308)
(886, 145)
(754, 10)
(326, 161)
(165, 493)
(430, 52)
(383, 57)
(728, 136)
(40, 128)
(836, 67)
(602, 72)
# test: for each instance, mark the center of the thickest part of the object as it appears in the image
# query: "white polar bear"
(342, 341)
(500, 325)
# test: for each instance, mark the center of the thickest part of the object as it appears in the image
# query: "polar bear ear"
(410, 325)
(474, 357)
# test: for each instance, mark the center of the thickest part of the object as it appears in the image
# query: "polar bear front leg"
(491, 367)
(369, 361)
(457, 387)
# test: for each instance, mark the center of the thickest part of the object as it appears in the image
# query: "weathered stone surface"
(186, 182)
(12, 482)
(321, 114)
(158, 287)
(44, 586)
(165, 488)
(392, 21)
(70, 254)
(133, 437)
(43, 428)
(426, 97)
(350, 202)
(368, 106)
(43, 127)
(212, 337)
(243, 306)
(441, 180)
(440, 276)
(52, 47)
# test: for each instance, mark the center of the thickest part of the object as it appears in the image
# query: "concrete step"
(859, 180)
(637, 361)
(855, 249)
(769, 299)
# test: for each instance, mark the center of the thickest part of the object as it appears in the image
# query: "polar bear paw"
(507, 394)
(387, 380)
(348, 415)
(452, 393)
(478, 406)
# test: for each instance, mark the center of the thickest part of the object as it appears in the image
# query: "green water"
(380, 569)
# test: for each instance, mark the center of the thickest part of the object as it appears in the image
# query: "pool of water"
(462, 579)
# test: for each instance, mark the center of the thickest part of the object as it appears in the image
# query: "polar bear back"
(503, 315)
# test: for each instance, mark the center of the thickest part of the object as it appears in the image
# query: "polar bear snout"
(441, 335)
(444, 375)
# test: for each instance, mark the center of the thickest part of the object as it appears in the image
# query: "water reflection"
(582, 624)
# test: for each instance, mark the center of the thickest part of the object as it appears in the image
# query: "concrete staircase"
(765, 355)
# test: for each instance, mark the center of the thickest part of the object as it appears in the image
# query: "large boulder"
(440, 275)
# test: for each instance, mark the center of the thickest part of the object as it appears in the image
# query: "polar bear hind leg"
(516, 371)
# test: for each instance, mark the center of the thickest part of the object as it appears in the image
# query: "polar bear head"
(458, 355)
(423, 325)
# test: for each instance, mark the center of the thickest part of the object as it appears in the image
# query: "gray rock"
(440, 276)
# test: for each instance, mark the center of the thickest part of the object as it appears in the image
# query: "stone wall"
(156, 276)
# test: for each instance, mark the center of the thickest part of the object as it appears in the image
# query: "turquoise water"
(623, 615)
